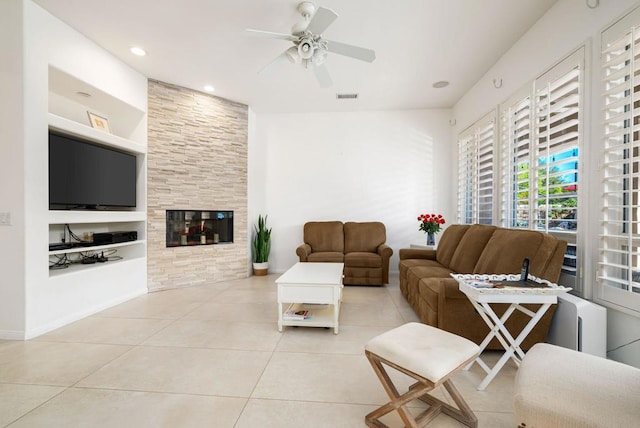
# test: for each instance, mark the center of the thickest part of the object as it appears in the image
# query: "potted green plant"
(261, 246)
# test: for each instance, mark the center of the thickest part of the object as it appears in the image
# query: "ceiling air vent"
(347, 96)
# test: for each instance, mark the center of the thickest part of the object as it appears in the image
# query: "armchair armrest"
(417, 253)
(303, 252)
(385, 251)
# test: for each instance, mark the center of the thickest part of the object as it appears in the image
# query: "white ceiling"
(417, 42)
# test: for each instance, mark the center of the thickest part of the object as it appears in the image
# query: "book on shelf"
(296, 314)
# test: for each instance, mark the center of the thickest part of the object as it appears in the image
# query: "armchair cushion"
(363, 237)
(324, 236)
(361, 259)
(326, 257)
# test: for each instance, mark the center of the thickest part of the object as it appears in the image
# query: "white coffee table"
(316, 287)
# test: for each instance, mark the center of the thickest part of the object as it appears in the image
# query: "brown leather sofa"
(426, 283)
(360, 246)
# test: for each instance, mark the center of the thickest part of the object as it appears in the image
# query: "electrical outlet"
(5, 219)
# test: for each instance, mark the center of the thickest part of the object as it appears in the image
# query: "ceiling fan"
(309, 48)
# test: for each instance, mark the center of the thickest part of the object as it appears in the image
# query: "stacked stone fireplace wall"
(197, 160)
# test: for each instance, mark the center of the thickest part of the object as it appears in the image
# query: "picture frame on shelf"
(99, 122)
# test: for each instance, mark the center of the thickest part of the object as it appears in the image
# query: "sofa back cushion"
(471, 247)
(449, 241)
(324, 236)
(364, 237)
(549, 258)
(506, 250)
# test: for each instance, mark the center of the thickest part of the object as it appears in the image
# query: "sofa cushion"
(363, 237)
(470, 248)
(405, 265)
(359, 259)
(506, 250)
(326, 256)
(545, 264)
(324, 236)
(449, 242)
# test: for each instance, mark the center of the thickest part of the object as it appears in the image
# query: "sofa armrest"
(417, 253)
(303, 252)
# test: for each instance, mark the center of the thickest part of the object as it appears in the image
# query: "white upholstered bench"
(429, 355)
(559, 387)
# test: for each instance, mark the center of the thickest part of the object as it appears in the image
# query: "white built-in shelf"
(95, 248)
(71, 127)
(86, 217)
(77, 268)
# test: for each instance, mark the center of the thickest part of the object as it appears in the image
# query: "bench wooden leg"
(418, 390)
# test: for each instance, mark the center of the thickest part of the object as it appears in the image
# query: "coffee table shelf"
(316, 287)
(320, 315)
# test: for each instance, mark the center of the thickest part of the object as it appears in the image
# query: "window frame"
(520, 136)
(618, 264)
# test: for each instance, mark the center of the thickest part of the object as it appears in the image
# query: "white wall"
(12, 263)
(31, 40)
(386, 166)
(567, 25)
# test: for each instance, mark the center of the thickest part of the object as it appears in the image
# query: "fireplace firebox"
(192, 227)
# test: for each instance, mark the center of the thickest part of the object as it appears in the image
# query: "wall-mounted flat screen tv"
(83, 175)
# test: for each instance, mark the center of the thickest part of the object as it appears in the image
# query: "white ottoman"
(429, 355)
(559, 387)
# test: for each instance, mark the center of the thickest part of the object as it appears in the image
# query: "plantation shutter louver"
(476, 171)
(619, 265)
(516, 139)
(556, 153)
(466, 151)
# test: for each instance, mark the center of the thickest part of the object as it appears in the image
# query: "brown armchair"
(360, 246)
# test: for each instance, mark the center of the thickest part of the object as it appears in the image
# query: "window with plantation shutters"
(540, 153)
(476, 172)
(619, 264)
(556, 151)
(514, 172)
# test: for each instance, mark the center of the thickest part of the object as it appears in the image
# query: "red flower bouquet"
(430, 223)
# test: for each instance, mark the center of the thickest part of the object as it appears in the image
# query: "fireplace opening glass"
(199, 227)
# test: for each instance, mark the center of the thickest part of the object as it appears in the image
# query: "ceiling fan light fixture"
(306, 48)
(319, 55)
(292, 55)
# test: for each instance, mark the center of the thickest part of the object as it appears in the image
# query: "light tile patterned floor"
(211, 356)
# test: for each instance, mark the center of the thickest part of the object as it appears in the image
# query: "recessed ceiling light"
(137, 51)
(209, 88)
(441, 84)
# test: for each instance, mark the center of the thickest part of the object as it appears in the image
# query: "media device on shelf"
(114, 237)
(83, 175)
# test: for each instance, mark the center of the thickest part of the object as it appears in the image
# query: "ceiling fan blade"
(321, 20)
(273, 64)
(271, 35)
(351, 51)
(322, 75)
